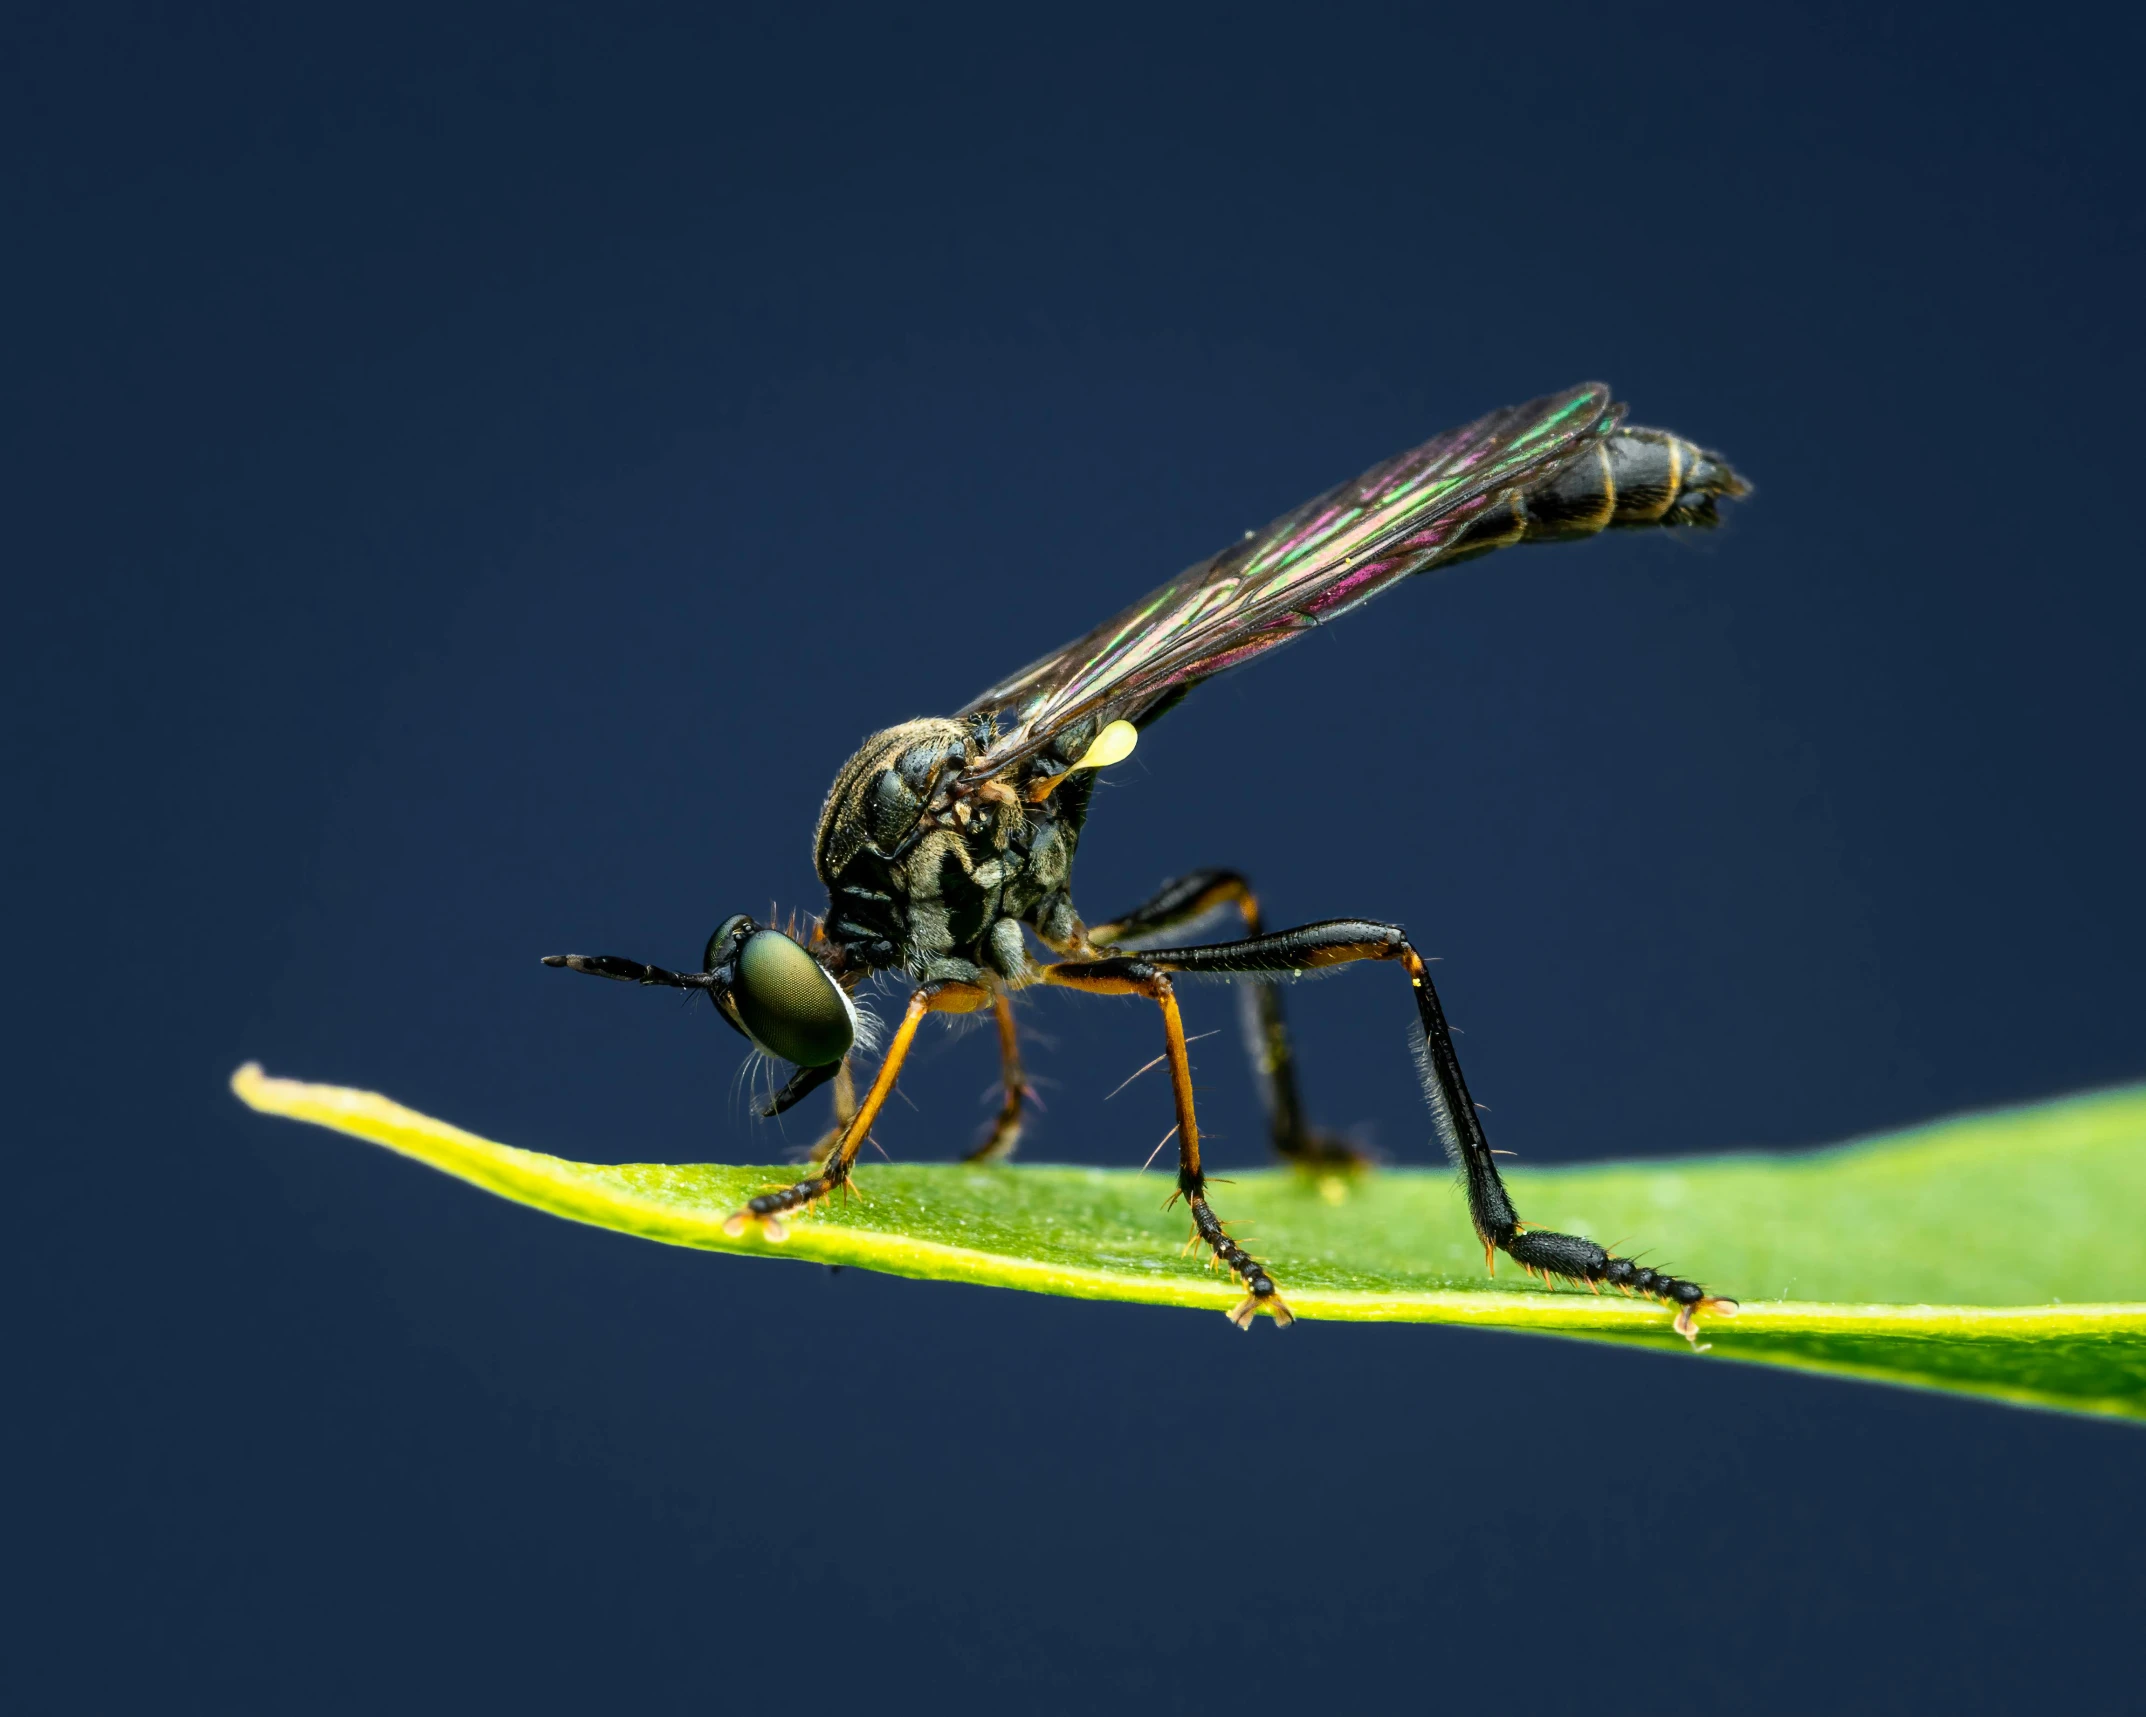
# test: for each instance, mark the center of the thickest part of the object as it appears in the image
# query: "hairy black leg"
(1341, 941)
(772, 1210)
(1005, 1134)
(1185, 900)
(1130, 975)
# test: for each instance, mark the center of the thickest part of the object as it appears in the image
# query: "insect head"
(775, 993)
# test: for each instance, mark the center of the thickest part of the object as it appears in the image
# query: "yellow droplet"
(1113, 745)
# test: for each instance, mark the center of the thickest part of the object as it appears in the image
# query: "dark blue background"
(470, 483)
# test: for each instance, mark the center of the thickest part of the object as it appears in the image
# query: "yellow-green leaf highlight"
(2002, 1255)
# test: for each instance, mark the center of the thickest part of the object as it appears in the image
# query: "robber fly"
(947, 842)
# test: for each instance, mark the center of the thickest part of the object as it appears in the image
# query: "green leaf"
(1999, 1255)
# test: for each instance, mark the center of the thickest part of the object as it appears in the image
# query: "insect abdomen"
(1628, 480)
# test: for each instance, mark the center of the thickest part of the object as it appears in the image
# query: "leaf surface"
(2000, 1255)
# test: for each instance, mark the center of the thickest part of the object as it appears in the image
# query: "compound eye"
(789, 1004)
(723, 943)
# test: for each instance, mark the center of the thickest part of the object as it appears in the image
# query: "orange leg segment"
(1130, 976)
(1005, 1133)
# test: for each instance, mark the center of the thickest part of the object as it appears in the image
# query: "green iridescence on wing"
(1997, 1255)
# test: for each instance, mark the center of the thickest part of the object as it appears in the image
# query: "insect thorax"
(935, 879)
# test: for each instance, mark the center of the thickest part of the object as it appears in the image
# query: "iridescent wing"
(1325, 558)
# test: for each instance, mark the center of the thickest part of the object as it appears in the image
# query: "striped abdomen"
(1629, 479)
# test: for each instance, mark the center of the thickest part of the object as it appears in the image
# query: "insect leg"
(1133, 976)
(771, 1208)
(1187, 899)
(1183, 900)
(1342, 941)
(845, 1095)
(1006, 1129)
